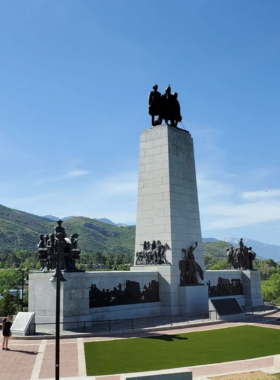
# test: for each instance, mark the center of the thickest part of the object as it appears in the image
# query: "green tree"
(271, 288)
(7, 305)
(267, 291)
(220, 265)
(275, 284)
(98, 258)
(9, 278)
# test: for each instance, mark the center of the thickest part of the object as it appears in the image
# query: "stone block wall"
(167, 208)
(74, 296)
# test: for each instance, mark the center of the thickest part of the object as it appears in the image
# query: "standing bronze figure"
(154, 105)
(167, 107)
(176, 110)
(188, 267)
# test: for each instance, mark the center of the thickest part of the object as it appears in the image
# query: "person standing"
(6, 331)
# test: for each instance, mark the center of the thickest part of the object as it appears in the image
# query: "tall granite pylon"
(168, 211)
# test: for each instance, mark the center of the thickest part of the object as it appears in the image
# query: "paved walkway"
(34, 359)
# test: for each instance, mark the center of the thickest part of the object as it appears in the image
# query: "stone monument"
(168, 212)
(168, 276)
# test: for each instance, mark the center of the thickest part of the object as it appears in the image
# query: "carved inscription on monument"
(22, 321)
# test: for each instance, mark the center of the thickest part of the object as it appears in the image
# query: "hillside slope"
(20, 230)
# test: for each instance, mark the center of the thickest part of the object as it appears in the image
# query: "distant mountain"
(51, 217)
(55, 218)
(263, 250)
(209, 240)
(21, 230)
(108, 221)
(67, 217)
(105, 220)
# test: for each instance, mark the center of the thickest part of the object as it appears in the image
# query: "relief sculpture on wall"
(124, 294)
(225, 287)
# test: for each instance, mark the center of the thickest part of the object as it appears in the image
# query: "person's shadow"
(25, 352)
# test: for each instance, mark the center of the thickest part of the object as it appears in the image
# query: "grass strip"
(171, 351)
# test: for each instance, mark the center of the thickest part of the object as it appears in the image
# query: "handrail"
(138, 323)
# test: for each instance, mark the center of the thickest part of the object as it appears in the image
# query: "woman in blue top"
(6, 330)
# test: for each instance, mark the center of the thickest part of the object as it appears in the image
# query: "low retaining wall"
(166, 374)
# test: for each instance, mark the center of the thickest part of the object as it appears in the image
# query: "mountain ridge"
(21, 230)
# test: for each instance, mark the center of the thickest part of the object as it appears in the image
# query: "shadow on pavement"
(25, 352)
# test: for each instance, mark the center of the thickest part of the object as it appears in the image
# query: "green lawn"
(171, 351)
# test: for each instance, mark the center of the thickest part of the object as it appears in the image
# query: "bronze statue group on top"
(166, 107)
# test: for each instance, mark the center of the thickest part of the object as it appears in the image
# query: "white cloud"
(226, 200)
(261, 194)
(61, 177)
(76, 173)
(113, 197)
(210, 188)
(224, 206)
(125, 183)
(30, 200)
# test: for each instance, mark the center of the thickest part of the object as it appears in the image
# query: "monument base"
(168, 288)
(94, 296)
(251, 281)
(193, 299)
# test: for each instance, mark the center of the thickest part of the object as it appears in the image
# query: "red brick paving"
(18, 363)
(244, 365)
(68, 359)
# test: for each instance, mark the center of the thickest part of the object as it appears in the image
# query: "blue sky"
(74, 82)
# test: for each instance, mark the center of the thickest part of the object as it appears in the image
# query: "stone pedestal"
(251, 281)
(167, 208)
(193, 299)
(168, 291)
(75, 310)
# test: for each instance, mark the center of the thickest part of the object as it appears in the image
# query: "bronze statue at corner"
(49, 245)
(189, 267)
(241, 258)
